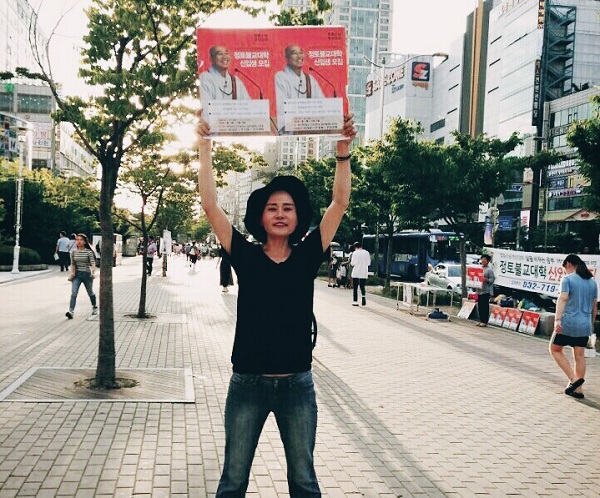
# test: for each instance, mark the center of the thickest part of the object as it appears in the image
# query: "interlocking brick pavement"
(407, 407)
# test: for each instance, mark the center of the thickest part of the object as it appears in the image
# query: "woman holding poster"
(576, 311)
(272, 350)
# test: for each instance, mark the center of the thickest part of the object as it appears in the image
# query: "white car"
(444, 275)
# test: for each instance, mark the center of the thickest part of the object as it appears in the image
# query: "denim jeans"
(249, 401)
(85, 278)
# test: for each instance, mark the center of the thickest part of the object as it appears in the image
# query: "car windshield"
(454, 271)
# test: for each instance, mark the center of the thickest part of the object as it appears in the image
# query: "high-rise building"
(539, 52)
(53, 145)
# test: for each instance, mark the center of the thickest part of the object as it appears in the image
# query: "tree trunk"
(376, 249)
(388, 262)
(142, 304)
(463, 265)
(105, 370)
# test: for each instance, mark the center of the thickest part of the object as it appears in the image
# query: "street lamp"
(383, 66)
(23, 129)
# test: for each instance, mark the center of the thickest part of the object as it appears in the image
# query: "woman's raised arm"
(208, 189)
(341, 185)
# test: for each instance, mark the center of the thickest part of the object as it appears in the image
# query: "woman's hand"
(349, 132)
(202, 133)
(558, 326)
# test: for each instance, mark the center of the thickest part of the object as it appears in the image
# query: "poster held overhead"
(274, 81)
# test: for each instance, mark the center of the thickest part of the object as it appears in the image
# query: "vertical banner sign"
(537, 90)
(536, 114)
(274, 81)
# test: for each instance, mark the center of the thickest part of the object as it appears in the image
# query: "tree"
(140, 57)
(51, 204)
(474, 171)
(153, 179)
(399, 171)
(585, 135)
(292, 17)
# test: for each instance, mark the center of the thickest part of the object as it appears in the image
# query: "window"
(6, 100)
(35, 104)
(437, 125)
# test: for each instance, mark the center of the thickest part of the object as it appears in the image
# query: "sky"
(415, 29)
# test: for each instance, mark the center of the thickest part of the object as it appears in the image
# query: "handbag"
(591, 344)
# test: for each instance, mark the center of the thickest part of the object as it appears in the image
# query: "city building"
(524, 66)
(539, 53)
(54, 146)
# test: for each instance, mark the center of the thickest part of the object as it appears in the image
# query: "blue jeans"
(249, 401)
(85, 278)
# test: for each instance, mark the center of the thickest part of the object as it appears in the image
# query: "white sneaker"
(95, 310)
(354, 303)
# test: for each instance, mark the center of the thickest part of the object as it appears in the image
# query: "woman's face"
(279, 218)
(80, 241)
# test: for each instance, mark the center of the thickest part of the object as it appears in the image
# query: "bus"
(413, 252)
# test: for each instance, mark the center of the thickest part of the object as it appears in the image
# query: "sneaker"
(95, 310)
(69, 314)
(354, 303)
(364, 301)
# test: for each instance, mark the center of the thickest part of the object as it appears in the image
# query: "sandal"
(573, 386)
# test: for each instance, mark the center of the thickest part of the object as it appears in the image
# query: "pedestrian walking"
(576, 310)
(62, 250)
(225, 276)
(194, 254)
(83, 269)
(150, 253)
(332, 269)
(360, 259)
(272, 351)
(72, 243)
(486, 292)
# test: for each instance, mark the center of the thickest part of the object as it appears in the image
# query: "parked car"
(444, 275)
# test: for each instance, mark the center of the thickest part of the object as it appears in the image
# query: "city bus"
(413, 252)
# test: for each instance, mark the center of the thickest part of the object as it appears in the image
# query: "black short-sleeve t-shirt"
(274, 308)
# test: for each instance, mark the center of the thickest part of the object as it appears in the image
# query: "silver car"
(444, 275)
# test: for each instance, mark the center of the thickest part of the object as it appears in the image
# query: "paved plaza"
(407, 407)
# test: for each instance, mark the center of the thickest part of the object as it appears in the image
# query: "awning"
(569, 215)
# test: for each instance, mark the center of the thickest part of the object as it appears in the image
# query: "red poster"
(512, 319)
(529, 322)
(475, 277)
(274, 81)
(497, 314)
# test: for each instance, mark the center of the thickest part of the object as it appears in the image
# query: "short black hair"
(258, 200)
(486, 256)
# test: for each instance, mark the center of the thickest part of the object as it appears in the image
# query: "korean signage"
(42, 135)
(274, 81)
(537, 93)
(8, 137)
(535, 272)
(541, 14)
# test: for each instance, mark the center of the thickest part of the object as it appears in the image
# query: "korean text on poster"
(274, 81)
(536, 272)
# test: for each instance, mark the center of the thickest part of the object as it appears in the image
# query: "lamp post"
(22, 137)
(383, 67)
